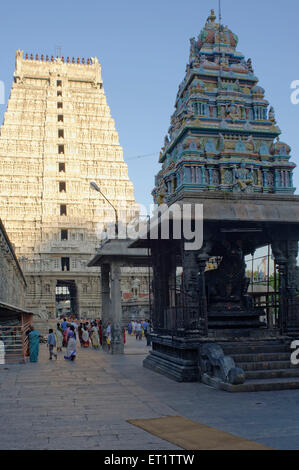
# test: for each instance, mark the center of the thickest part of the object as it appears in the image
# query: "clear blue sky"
(143, 47)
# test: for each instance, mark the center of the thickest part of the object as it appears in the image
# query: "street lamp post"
(96, 188)
(114, 289)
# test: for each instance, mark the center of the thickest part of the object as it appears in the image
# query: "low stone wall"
(43, 326)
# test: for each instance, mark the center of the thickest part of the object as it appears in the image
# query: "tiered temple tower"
(57, 137)
(223, 135)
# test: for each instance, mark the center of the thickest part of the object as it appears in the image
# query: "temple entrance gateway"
(66, 298)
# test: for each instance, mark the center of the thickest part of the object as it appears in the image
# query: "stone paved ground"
(85, 405)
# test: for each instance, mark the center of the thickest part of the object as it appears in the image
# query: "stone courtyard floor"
(85, 404)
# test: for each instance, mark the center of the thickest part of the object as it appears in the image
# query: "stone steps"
(262, 357)
(238, 350)
(237, 323)
(267, 366)
(263, 385)
(179, 370)
(233, 314)
(271, 374)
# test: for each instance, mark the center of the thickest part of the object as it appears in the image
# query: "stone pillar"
(172, 279)
(160, 284)
(117, 338)
(105, 285)
(191, 290)
(282, 296)
(203, 309)
(285, 253)
(292, 320)
(279, 251)
(156, 283)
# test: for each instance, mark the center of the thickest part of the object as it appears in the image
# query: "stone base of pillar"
(117, 340)
(176, 358)
(117, 348)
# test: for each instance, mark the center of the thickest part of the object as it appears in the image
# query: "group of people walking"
(140, 329)
(90, 334)
(65, 336)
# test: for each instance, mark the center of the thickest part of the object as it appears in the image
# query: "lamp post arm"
(116, 214)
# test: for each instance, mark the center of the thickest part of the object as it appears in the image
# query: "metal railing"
(269, 302)
(182, 321)
(14, 343)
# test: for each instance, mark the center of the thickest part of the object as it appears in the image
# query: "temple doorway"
(66, 298)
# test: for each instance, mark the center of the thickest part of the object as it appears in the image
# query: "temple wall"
(12, 282)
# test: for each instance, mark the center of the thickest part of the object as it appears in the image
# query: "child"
(108, 337)
(51, 343)
(59, 337)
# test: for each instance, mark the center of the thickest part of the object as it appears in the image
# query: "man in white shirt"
(139, 331)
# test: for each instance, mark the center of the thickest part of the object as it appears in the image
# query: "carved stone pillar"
(117, 338)
(286, 253)
(283, 304)
(279, 249)
(105, 285)
(157, 289)
(160, 260)
(203, 309)
(291, 280)
(172, 279)
(191, 290)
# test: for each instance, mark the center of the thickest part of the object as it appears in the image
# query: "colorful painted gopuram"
(223, 153)
(223, 134)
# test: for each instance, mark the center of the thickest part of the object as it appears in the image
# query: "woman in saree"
(34, 337)
(59, 337)
(65, 335)
(71, 347)
(85, 337)
(99, 326)
(100, 332)
(80, 329)
(95, 340)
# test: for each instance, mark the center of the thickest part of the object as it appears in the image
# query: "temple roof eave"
(271, 134)
(203, 73)
(230, 159)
